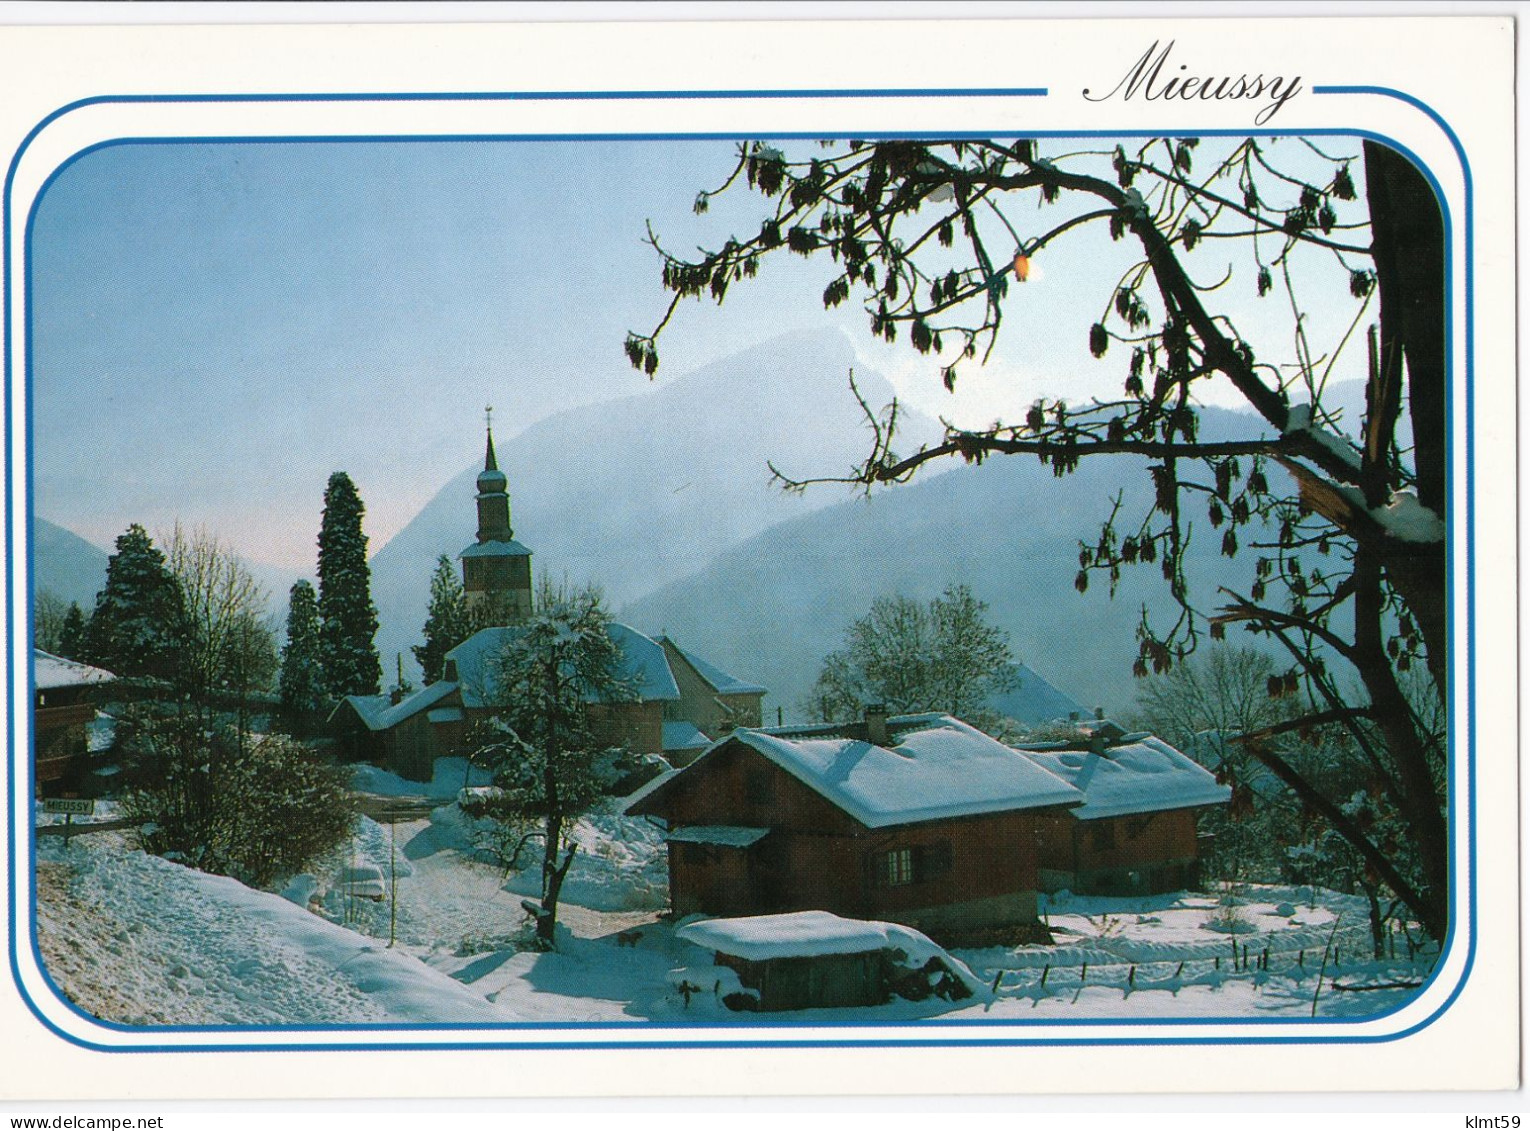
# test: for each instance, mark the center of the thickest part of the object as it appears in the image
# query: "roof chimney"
(876, 724)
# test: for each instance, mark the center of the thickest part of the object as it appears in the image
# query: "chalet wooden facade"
(63, 706)
(1135, 832)
(920, 820)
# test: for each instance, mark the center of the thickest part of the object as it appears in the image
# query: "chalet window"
(1136, 827)
(1102, 835)
(916, 865)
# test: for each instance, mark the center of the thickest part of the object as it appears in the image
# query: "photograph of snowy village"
(696, 582)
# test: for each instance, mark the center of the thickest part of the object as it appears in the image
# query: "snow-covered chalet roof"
(1033, 701)
(721, 681)
(50, 672)
(1143, 776)
(940, 767)
(643, 662)
(379, 713)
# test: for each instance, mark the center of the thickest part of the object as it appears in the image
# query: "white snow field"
(141, 940)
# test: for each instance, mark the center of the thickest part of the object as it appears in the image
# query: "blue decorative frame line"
(931, 1032)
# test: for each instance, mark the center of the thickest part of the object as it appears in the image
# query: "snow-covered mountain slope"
(641, 491)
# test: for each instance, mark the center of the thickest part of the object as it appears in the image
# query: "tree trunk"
(1408, 247)
(1409, 750)
(552, 874)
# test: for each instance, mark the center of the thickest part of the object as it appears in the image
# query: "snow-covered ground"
(140, 940)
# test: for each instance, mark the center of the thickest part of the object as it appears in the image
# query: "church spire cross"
(489, 463)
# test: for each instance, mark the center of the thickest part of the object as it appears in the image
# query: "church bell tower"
(496, 569)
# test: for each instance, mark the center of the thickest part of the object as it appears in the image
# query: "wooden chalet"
(921, 820)
(1135, 832)
(62, 709)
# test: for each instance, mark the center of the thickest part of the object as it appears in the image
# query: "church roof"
(510, 549)
(643, 662)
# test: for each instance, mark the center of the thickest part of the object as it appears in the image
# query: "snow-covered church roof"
(1142, 776)
(643, 662)
(938, 767)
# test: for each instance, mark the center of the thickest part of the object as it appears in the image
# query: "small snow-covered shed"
(919, 819)
(1135, 832)
(812, 959)
(62, 712)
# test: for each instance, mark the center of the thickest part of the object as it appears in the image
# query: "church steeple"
(493, 494)
(496, 571)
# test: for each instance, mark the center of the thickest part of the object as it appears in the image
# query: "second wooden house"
(1135, 833)
(921, 820)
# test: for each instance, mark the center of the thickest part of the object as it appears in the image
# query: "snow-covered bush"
(255, 807)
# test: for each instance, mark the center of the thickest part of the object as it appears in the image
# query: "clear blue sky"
(220, 326)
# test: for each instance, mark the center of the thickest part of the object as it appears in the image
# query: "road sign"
(77, 806)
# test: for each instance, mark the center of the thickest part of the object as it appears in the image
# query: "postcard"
(931, 556)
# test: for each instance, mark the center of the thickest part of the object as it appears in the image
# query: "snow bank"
(448, 776)
(190, 941)
(621, 865)
(379, 846)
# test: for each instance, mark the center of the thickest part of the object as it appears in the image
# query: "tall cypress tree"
(302, 679)
(447, 624)
(348, 619)
(139, 619)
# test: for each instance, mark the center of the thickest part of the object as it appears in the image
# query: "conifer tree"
(448, 622)
(348, 619)
(302, 678)
(71, 637)
(138, 623)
